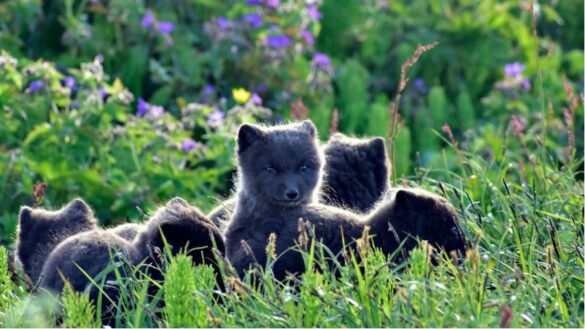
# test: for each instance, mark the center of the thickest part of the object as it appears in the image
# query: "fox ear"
(177, 202)
(79, 205)
(309, 127)
(248, 135)
(79, 210)
(378, 147)
(404, 198)
(25, 216)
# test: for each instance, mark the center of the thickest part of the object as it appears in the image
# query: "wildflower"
(6, 60)
(322, 61)
(255, 99)
(513, 69)
(165, 28)
(156, 110)
(241, 95)
(421, 85)
(261, 88)
(69, 82)
(142, 107)
(208, 89)
(308, 36)
(223, 23)
(314, 12)
(103, 93)
(147, 19)
(272, 3)
(254, 2)
(188, 144)
(215, 118)
(278, 41)
(181, 102)
(254, 19)
(526, 84)
(35, 86)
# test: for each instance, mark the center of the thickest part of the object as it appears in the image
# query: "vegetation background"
(129, 103)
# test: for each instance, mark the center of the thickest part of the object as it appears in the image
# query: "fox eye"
(303, 168)
(270, 170)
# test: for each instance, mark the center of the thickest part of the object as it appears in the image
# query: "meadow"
(130, 103)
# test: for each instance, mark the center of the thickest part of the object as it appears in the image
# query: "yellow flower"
(181, 102)
(241, 95)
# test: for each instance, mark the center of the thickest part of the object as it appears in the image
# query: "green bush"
(86, 140)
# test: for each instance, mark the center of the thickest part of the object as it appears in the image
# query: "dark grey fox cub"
(40, 231)
(356, 176)
(356, 172)
(185, 229)
(280, 172)
(76, 244)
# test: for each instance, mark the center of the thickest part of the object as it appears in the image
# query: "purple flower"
(261, 88)
(35, 86)
(420, 85)
(254, 2)
(322, 61)
(314, 12)
(223, 23)
(103, 93)
(165, 27)
(208, 89)
(308, 36)
(278, 41)
(254, 19)
(69, 82)
(513, 69)
(272, 3)
(142, 107)
(215, 118)
(188, 144)
(255, 99)
(526, 84)
(147, 19)
(156, 110)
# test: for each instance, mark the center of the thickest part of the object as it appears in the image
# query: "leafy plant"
(185, 293)
(78, 310)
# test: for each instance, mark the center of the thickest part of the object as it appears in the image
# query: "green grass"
(525, 270)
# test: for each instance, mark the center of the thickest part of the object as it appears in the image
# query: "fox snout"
(292, 194)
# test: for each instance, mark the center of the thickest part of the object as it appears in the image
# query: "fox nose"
(292, 193)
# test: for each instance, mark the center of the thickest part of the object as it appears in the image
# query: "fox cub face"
(279, 166)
